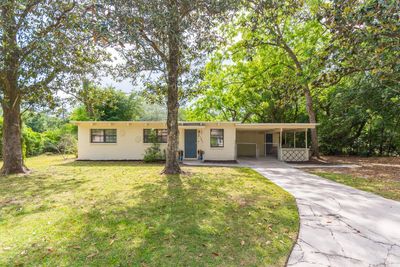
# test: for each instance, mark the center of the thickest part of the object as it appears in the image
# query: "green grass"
(384, 187)
(68, 213)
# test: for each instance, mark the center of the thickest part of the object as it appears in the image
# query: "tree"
(107, 104)
(295, 28)
(166, 39)
(237, 88)
(44, 45)
(366, 37)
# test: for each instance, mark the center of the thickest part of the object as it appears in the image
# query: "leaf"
(215, 254)
(90, 256)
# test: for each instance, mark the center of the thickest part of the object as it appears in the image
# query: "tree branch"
(153, 45)
(58, 22)
(26, 11)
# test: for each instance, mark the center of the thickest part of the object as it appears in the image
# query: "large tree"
(366, 37)
(44, 45)
(295, 28)
(166, 38)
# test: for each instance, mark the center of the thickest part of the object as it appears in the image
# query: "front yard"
(69, 213)
(379, 175)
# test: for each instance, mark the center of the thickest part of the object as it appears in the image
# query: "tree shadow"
(18, 190)
(180, 220)
(107, 163)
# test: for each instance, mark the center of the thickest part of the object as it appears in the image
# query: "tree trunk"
(12, 145)
(312, 119)
(172, 164)
(11, 102)
(309, 100)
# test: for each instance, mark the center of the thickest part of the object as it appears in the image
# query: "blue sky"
(124, 85)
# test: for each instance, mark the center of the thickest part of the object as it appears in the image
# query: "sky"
(124, 85)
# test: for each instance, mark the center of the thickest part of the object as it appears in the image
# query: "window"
(160, 135)
(217, 138)
(103, 135)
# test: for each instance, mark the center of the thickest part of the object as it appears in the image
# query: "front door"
(268, 144)
(190, 143)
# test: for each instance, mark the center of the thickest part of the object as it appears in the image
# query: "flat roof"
(238, 125)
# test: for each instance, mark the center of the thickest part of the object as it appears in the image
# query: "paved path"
(339, 225)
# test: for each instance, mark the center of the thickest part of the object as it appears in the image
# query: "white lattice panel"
(294, 154)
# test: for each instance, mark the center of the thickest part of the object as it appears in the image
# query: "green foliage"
(275, 50)
(153, 153)
(79, 114)
(361, 116)
(57, 140)
(107, 104)
(33, 143)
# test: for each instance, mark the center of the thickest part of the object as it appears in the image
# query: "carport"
(284, 141)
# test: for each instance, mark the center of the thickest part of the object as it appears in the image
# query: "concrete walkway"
(339, 225)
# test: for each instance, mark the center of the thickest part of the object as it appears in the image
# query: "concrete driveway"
(339, 225)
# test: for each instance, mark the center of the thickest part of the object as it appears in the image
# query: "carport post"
(280, 144)
(306, 138)
(294, 138)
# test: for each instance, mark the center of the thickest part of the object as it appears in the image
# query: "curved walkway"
(339, 225)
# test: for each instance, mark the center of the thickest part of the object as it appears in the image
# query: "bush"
(32, 142)
(67, 145)
(153, 153)
(61, 140)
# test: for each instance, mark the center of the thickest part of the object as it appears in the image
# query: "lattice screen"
(294, 155)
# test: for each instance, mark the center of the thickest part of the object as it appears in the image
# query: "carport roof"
(283, 126)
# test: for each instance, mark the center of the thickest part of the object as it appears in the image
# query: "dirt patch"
(371, 167)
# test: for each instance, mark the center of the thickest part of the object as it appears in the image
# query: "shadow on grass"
(106, 163)
(177, 221)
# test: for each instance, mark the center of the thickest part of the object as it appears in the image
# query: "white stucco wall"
(130, 144)
(228, 152)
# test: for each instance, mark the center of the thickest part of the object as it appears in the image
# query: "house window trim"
(223, 138)
(159, 129)
(104, 136)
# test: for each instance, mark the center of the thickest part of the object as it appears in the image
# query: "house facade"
(217, 141)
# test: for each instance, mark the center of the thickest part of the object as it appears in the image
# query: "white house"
(219, 141)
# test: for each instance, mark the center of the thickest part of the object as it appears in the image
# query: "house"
(220, 141)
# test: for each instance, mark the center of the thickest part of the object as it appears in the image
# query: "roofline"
(205, 122)
(280, 124)
(138, 122)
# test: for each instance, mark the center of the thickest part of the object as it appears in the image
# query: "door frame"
(268, 143)
(184, 144)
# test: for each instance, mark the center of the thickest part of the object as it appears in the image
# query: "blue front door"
(190, 143)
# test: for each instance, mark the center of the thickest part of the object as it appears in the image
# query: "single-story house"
(217, 141)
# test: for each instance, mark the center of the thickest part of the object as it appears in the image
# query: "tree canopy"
(44, 46)
(345, 56)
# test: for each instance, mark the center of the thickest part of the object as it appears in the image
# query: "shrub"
(67, 145)
(32, 142)
(153, 153)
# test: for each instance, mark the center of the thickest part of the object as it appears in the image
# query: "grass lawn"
(69, 213)
(388, 188)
